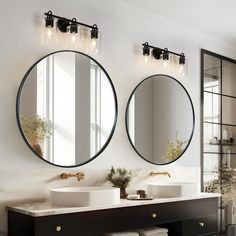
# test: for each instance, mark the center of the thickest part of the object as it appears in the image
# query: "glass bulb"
(182, 70)
(93, 46)
(49, 32)
(73, 38)
(146, 59)
(94, 43)
(166, 63)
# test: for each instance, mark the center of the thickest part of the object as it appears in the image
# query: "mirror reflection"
(160, 119)
(66, 108)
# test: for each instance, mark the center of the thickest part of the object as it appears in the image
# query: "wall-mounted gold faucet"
(152, 173)
(79, 175)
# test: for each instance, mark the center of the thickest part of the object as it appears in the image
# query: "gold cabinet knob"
(58, 228)
(154, 215)
(201, 224)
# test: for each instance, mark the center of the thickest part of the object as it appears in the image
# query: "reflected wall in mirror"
(67, 108)
(160, 119)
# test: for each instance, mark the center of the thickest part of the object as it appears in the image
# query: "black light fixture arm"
(163, 50)
(49, 14)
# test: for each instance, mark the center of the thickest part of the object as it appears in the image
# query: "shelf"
(222, 144)
(220, 94)
(216, 123)
(220, 153)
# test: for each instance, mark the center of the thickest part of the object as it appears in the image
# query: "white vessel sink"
(85, 196)
(172, 190)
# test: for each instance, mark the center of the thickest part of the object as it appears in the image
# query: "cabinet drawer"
(92, 223)
(126, 218)
(200, 226)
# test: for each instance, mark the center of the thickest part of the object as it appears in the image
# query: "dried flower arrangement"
(34, 127)
(120, 178)
(174, 148)
(225, 183)
(35, 130)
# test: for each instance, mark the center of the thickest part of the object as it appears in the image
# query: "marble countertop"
(46, 208)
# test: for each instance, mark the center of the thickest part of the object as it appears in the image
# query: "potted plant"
(35, 130)
(120, 178)
(224, 183)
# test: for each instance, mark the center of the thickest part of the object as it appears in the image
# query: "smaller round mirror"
(160, 119)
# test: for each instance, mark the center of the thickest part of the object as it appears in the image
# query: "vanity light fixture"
(164, 54)
(146, 52)
(146, 49)
(49, 20)
(74, 26)
(69, 25)
(182, 59)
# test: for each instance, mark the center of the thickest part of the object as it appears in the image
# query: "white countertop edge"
(46, 208)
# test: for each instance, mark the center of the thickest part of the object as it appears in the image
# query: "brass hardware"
(79, 175)
(152, 173)
(154, 215)
(58, 228)
(201, 224)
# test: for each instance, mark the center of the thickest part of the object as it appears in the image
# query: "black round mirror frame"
(126, 118)
(18, 104)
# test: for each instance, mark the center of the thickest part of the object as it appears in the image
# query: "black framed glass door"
(218, 127)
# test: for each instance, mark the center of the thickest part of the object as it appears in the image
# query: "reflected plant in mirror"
(175, 148)
(160, 119)
(36, 130)
(69, 95)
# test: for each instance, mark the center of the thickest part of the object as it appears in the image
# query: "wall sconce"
(164, 54)
(65, 25)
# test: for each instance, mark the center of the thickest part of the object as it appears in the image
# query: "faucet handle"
(80, 175)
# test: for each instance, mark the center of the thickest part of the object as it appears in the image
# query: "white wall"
(23, 176)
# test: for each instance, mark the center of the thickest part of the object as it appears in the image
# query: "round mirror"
(160, 119)
(66, 108)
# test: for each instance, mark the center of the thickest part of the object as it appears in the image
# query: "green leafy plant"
(34, 127)
(175, 148)
(119, 177)
(225, 183)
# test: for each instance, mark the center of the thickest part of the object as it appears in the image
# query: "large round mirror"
(67, 108)
(160, 119)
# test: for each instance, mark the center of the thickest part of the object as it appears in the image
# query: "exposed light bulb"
(49, 32)
(94, 46)
(146, 59)
(94, 43)
(165, 63)
(181, 68)
(73, 38)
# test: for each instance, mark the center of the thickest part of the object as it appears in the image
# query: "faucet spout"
(152, 173)
(79, 175)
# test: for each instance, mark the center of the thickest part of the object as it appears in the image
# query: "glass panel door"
(218, 78)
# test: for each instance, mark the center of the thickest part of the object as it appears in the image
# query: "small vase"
(123, 193)
(35, 144)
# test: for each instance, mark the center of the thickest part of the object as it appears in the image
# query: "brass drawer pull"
(154, 215)
(58, 228)
(201, 224)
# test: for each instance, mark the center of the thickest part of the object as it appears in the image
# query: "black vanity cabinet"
(182, 218)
